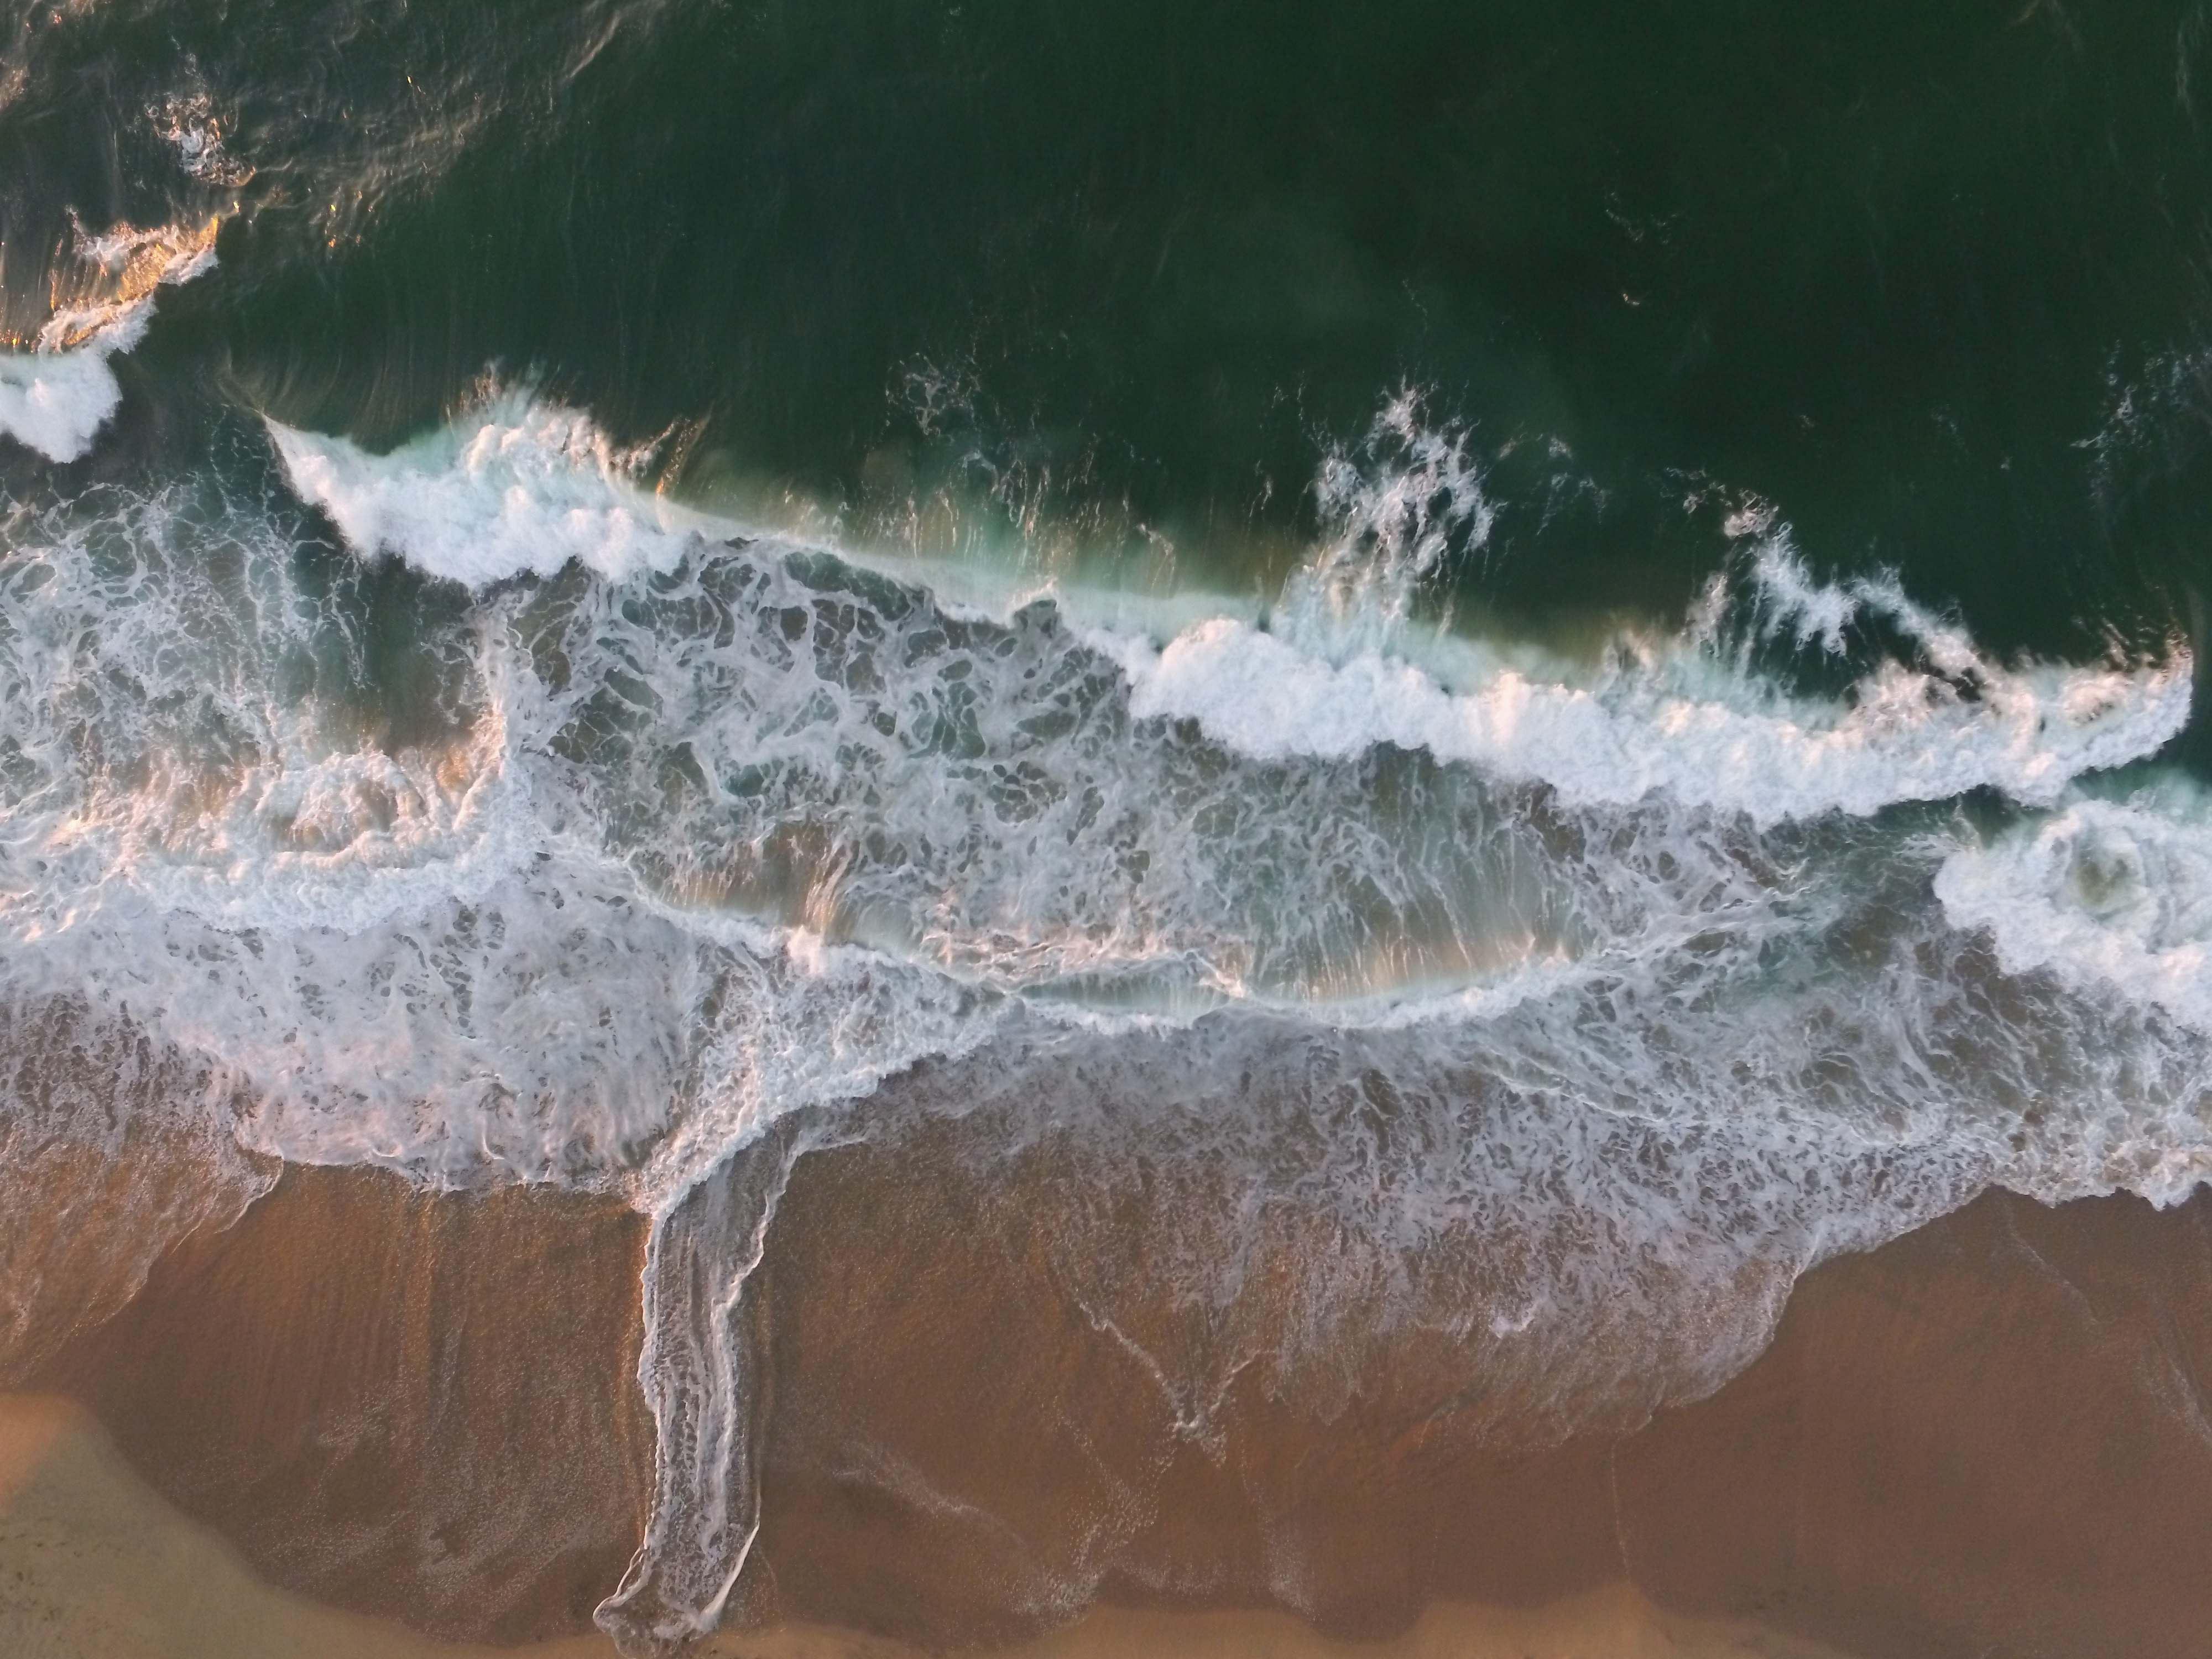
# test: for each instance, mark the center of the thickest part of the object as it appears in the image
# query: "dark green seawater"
(1932, 278)
(1572, 623)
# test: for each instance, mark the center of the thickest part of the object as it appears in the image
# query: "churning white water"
(599, 843)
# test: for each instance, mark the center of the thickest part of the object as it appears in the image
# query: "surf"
(708, 848)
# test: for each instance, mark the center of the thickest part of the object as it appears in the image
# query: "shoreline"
(95, 1565)
(396, 1405)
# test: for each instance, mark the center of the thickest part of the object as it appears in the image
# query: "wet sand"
(95, 1565)
(394, 1401)
(1987, 1437)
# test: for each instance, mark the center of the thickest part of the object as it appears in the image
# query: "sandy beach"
(95, 1565)
(366, 1403)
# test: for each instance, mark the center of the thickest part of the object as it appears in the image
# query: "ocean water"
(1581, 624)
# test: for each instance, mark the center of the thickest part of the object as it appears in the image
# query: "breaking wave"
(56, 396)
(598, 840)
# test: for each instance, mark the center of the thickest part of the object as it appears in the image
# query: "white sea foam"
(2109, 895)
(1704, 738)
(409, 953)
(515, 486)
(55, 397)
(518, 486)
(55, 401)
(1684, 716)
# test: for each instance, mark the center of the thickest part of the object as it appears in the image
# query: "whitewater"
(56, 397)
(475, 810)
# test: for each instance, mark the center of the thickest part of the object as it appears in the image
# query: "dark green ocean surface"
(1934, 280)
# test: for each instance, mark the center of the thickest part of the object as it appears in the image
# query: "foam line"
(1737, 748)
(521, 487)
(516, 487)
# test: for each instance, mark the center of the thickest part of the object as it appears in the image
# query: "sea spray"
(56, 396)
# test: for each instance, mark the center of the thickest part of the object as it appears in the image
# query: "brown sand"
(396, 1401)
(93, 1565)
(103, 1177)
(1987, 1438)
